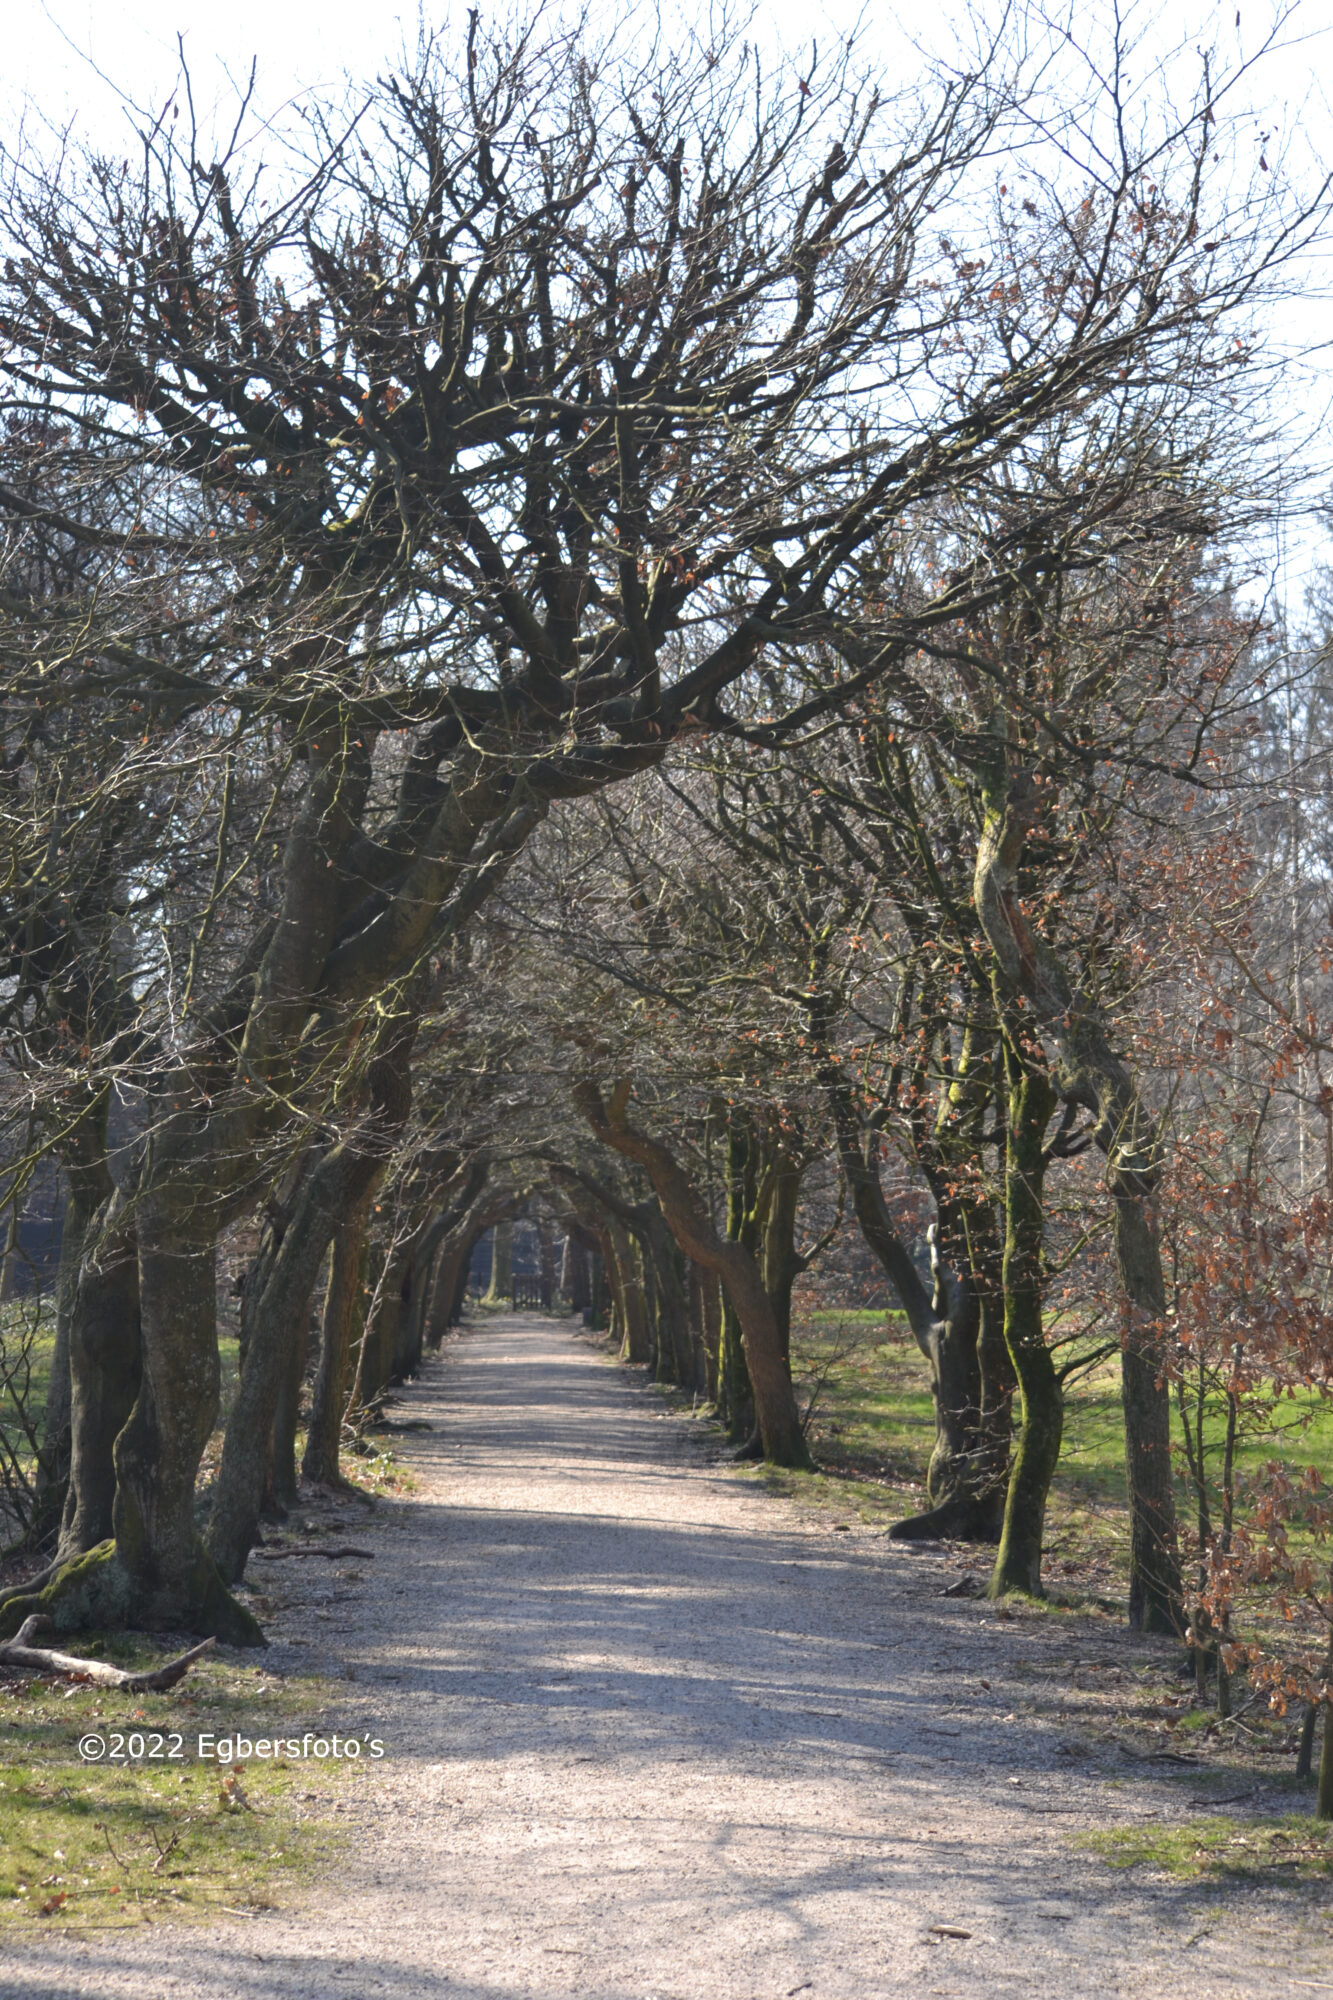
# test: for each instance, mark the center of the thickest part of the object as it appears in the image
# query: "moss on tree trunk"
(1032, 1101)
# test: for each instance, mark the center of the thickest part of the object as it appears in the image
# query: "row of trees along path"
(622, 636)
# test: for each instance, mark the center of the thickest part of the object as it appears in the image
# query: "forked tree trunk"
(1089, 1072)
(965, 1479)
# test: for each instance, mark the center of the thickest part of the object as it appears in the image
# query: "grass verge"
(96, 1845)
(1294, 1849)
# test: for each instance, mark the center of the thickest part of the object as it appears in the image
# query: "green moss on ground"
(1291, 1849)
(97, 1845)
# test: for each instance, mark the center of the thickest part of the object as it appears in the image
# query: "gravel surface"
(654, 1734)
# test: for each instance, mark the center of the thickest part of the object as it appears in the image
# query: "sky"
(51, 46)
(53, 51)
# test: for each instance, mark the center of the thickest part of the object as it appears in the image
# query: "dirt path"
(655, 1735)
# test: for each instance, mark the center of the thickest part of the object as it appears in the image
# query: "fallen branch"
(312, 1549)
(18, 1653)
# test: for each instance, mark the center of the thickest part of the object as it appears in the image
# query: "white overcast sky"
(52, 50)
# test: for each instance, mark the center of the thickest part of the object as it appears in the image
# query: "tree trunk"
(404, 1356)
(9, 1260)
(782, 1265)
(105, 1366)
(635, 1345)
(546, 1256)
(675, 1354)
(775, 1402)
(708, 1295)
(501, 1287)
(735, 1399)
(51, 1484)
(1154, 1575)
(343, 1305)
(276, 1315)
(450, 1280)
(283, 1490)
(459, 1300)
(574, 1276)
(965, 1480)
(1018, 1560)
(170, 1578)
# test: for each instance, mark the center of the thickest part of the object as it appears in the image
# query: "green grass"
(873, 1429)
(1291, 1849)
(91, 1845)
(27, 1346)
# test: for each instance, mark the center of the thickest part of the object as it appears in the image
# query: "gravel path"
(656, 1735)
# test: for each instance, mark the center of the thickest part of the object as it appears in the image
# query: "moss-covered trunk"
(1018, 1559)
